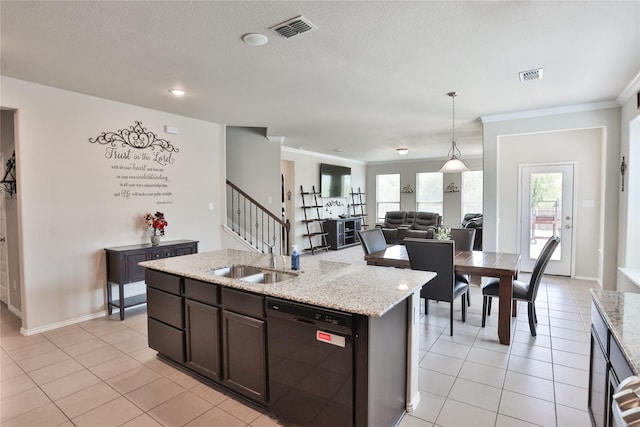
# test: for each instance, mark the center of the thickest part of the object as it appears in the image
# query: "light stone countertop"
(351, 288)
(621, 313)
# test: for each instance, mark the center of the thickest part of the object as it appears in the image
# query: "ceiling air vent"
(530, 75)
(293, 27)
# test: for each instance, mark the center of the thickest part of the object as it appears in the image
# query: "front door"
(546, 209)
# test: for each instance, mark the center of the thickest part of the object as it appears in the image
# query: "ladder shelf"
(315, 233)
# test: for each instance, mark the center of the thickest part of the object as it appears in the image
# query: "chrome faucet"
(274, 263)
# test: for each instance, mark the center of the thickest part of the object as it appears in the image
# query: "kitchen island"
(232, 319)
(615, 349)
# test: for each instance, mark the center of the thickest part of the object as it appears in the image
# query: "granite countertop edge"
(621, 313)
(351, 288)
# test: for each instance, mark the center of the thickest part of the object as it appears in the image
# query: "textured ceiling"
(373, 76)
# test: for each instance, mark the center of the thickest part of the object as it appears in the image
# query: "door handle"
(3, 239)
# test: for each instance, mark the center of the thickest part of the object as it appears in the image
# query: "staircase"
(255, 224)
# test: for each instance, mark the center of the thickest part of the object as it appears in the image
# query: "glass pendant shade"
(454, 164)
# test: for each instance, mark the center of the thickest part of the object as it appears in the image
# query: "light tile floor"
(469, 379)
(101, 372)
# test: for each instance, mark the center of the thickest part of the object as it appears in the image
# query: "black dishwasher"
(310, 353)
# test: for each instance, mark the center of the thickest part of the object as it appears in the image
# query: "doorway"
(546, 209)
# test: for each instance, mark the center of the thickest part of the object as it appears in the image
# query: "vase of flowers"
(156, 224)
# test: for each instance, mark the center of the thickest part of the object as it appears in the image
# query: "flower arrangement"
(443, 233)
(155, 222)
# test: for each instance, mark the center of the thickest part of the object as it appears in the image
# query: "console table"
(123, 268)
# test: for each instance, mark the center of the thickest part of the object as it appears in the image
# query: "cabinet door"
(133, 272)
(598, 384)
(340, 238)
(203, 338)
(244, 360)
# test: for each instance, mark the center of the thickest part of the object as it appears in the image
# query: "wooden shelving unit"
(315, 225)
(357, 204)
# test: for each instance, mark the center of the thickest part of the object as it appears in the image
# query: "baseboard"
(15, 311)
(591, 279)
(27, 332)
(415, 400)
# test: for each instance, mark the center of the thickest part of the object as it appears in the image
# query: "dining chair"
(438, 256)
(464, 238)
(522, 291)
(372, 240)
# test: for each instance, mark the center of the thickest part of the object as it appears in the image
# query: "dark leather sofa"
(400, 224)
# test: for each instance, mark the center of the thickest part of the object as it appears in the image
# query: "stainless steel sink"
(237, 271)
(268, 277)
(248, 273)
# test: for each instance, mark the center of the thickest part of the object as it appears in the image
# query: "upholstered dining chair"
(464, 238)
(438, 256)
(372, 240)
(522, 291)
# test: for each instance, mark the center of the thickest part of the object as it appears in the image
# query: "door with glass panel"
(546, 209)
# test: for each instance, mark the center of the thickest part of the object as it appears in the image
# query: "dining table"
(504, 266)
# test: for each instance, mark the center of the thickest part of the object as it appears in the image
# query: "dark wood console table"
(123, 268)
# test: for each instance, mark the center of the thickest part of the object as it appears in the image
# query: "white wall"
(306, 167)
(66, 205)
(452, 215)
(629, 229)
(595, 116)
(583, 146)
(253, 164)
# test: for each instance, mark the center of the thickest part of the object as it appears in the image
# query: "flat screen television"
(335, 181)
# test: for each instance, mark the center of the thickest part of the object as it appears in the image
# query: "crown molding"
(548, 112)
(629, 91)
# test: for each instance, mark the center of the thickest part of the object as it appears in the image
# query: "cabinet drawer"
(201, 291)
(160, 253)
(243, 302)
(163, 281)
(165, 307)
(166, 340)
(600, 328)
(191, 248)
(618, 361)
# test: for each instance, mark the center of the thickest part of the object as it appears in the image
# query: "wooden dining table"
(504, 266)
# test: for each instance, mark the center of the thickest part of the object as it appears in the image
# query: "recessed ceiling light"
(338, 150)
(255, 39)
(177, 92)
(402, 151)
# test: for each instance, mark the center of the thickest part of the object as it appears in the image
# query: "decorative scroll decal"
(136, 137)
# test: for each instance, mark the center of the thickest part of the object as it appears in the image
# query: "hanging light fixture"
(454, 164)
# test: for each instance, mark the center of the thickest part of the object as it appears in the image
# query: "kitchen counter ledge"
(621, 313)
(351, 288)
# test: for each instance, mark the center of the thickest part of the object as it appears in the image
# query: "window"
(429, 193)
(471, 192)
(387, 194)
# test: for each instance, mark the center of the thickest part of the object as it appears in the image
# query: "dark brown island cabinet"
(607, 368)
(123, 268)
(265, 350)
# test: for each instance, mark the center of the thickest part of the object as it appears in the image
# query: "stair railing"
(254, 223)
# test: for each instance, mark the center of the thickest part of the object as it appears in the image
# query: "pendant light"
(454, 164)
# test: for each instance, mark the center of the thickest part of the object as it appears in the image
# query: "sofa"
(400, 224)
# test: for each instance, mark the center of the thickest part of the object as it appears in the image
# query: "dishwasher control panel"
(310, 313)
